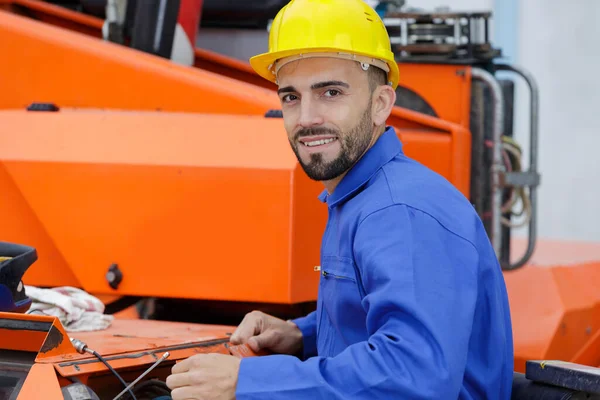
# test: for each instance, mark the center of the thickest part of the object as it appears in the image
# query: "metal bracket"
(520, 179)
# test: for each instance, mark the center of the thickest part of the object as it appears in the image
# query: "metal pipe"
(497, 164)
(533, 157)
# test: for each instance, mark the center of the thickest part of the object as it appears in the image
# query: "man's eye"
(332, 92)
(289, 97)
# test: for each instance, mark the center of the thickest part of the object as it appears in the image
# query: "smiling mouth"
(318, 142)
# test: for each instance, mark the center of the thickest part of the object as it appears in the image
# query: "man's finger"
(183, 365)
(184, 393)
(249, 327)
(263, 341)
(179, 380)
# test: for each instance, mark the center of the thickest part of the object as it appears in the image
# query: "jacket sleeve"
(308, 327)
(420, 283)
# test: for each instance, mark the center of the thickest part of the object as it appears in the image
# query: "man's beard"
(353, 144)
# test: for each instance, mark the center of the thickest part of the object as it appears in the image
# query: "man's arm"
(421, 287)
(308, 327)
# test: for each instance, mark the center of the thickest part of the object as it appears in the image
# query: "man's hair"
(377, 77)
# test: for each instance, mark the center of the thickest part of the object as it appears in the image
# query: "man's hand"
(204, 377)
(261, 331)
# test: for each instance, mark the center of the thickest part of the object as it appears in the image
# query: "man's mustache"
(315, 132)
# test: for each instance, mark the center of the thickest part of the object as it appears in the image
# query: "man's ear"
(384, 99)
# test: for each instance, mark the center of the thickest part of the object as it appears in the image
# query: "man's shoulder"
(408, 183)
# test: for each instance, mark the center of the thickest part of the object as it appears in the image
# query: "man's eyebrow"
(320, 85)
(287, 89)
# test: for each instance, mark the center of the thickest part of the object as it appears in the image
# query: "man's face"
(326, 104)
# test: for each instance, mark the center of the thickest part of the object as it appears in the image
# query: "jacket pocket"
(343, 316)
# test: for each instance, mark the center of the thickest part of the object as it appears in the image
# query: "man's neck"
(330, 185)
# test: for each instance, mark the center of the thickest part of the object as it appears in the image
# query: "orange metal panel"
(555, 308)
(448, 94)
(56, 15)
(22, 225)
(49, 64)
(230, 67)
(21, 340)
(174, 204)
(33, 333)
(41, 383)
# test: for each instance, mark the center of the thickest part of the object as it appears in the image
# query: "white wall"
(559, 43)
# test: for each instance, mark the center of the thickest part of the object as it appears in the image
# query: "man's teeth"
(319, 142)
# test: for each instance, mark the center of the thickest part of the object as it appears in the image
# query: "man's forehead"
(318, 69)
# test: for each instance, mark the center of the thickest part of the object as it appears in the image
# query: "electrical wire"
(517, 194)
(111, 370)
(512, 148)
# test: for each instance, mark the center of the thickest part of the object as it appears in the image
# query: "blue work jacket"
(412, 302)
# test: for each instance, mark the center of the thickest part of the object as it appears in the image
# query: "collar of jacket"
(385, 148)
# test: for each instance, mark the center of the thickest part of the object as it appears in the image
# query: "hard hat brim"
(263, 63)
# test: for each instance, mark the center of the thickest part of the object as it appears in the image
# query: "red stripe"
(189, 18)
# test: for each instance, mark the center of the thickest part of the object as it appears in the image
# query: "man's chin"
(319, 173)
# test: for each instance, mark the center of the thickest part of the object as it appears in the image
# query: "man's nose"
(310, 114)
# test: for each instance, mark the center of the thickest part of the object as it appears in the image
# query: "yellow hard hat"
(339, 28)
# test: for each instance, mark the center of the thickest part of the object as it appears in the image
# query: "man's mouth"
(313, 142)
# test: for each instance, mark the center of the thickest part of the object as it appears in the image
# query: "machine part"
(154, 389)
(240, 14)
(411, 100)
(15, 260)
(274, 114)
(154, 26)
(114, 276)
(132, 384)
(531, 178)
(497, 167)
(526, 389)
(440, 36)
(79, 391)
(112, 29)
(566, 375)
(43, 107)
(81, 347)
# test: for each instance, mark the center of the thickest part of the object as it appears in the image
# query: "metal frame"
(499, 177)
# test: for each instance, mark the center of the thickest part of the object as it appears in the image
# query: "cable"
(112, 370)
(511, 148)
(81, 347)
(152, 388)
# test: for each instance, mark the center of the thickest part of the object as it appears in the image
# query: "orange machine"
(170, 186)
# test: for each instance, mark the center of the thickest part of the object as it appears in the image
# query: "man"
(412, 302)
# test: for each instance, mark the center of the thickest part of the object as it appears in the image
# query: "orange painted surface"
(55, 15)
(22, 225)
(230, 67)
(136, 344)
(41, 383)
(555, 308)
(63, 347)
(33, 333)
(49, 64)
(449, 93)
(21, 340)
(129, 346)
(186, 199)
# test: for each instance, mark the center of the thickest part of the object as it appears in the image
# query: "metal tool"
(132, 384)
